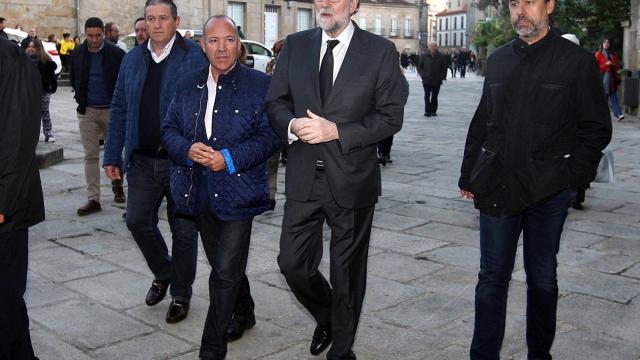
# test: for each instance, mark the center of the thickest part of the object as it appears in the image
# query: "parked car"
(18, 35)
(257, 54)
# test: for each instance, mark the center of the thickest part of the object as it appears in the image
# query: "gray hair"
(169, 3)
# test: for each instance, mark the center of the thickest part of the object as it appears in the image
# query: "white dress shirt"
(211, 102)
(165, 51)
(339, 52)
(212, 89)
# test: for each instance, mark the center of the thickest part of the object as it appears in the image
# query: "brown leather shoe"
(178, 311)
(157, 291)
(89, 208)
(118, 193)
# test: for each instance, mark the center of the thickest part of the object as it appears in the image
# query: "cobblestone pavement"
(87, 279)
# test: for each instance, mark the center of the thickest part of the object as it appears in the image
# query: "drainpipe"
(77, 17)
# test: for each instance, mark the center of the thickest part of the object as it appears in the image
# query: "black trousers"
(15, 341)
(337, 306)
(226, 244)
(430, 98)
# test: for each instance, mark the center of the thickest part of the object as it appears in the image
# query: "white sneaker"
(620, 117)
(50, 139)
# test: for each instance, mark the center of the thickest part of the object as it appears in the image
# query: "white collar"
(165, 51)
(211, 75)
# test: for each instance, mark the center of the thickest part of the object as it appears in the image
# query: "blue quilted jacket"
(186, 56)
(241, 131)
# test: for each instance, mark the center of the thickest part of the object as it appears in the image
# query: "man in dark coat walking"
(21, 204)
(538, 132)
(432, 69)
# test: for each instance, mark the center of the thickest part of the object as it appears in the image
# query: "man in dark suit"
(21, 204)
(335, 94)
(432, 70)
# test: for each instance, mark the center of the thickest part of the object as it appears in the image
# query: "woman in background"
(609, 66)
(47, 70)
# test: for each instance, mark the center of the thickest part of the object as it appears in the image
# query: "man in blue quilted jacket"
(219, 139)
(146, 83)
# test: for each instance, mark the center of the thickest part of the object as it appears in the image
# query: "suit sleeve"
(279, 100)
(386, 118)
(594, 126)
(21, 91)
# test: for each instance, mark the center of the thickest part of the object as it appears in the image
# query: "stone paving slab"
(153, 346)
(87, 325)
(68, 264)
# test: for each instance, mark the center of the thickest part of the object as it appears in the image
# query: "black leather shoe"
(157, 291)
(321, 340)
(238, 325)
(178, 311)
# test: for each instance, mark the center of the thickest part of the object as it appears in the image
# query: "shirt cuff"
(231, 169)
(291, 136)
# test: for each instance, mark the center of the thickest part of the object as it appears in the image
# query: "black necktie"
(326, 70)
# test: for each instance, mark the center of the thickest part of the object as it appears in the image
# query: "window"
(439, 39)
(256, 49)
(407, 27)
(446, 24)
(363, 23)
(463, 26)
(236, 12)
(455, 39)
(446, 39)
(440, 24)
(304, 19)
(378, 29)
(394, 27)
(455, 23)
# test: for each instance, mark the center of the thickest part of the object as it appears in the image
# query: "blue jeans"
(542, 228)
(148, 180)
(226, 244)
(615, 105)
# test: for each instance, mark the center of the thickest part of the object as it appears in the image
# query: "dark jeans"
(463, 71)
(542, 228)
(15, 341)
(430, 98)
(338, 306)
(226, 244)
(148, 180)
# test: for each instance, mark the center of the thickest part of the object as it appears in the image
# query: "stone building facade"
(265, 21)
(396, 20)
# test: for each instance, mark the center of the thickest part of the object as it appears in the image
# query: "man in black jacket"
(432, 69)
(538, 131)
(94, 71)
(21, 204)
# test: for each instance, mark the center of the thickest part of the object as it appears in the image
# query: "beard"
(531, 28)
(335, 24)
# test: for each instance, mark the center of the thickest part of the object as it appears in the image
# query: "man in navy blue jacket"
(219, 138)
(146, 83)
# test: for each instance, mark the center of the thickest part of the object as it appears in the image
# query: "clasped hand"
(207, 157)
(314, 129)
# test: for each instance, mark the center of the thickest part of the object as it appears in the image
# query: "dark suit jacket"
(365, 103)
(20, 90)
